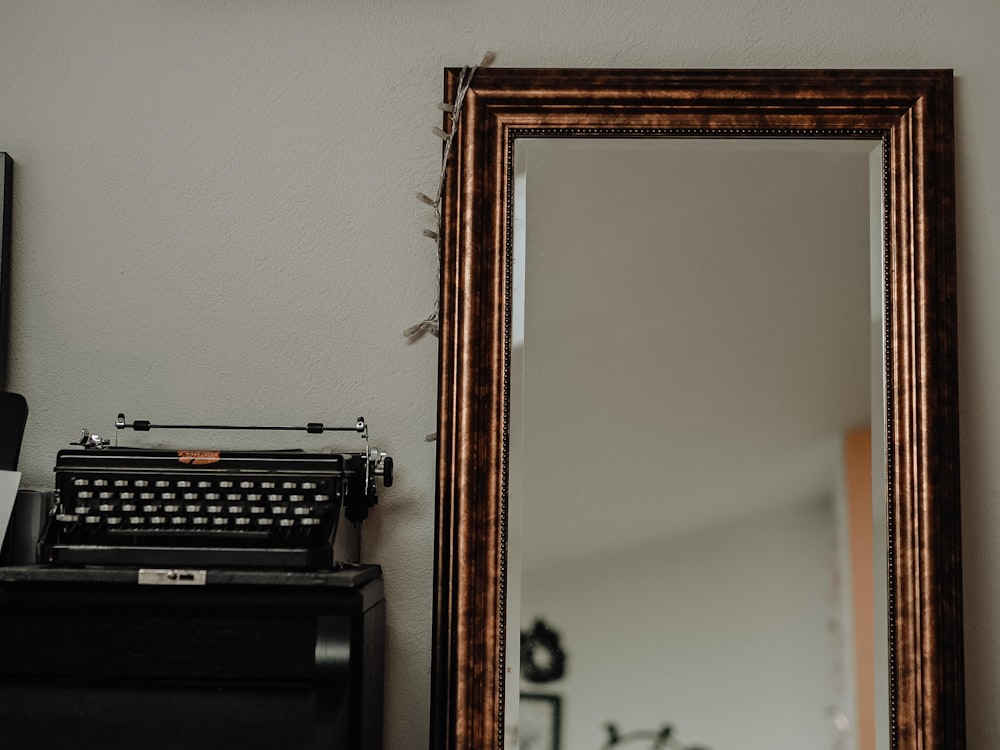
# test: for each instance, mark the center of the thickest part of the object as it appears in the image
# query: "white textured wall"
(214, 216)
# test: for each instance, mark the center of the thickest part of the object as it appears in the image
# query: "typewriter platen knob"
(381, 464)
(384, 470)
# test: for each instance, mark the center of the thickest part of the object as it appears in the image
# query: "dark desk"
(90, 658)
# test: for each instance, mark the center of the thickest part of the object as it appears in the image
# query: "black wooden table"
(92, 658)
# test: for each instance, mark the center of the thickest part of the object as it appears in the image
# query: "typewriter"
(206, 508)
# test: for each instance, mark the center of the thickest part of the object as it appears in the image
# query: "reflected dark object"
(542, 658)
(660, 738)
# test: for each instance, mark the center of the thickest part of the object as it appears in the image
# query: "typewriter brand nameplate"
(198, 457)
(171, 577)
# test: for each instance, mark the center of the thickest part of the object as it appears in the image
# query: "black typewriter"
(206, 508)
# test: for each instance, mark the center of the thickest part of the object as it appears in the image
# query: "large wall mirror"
(698, 413)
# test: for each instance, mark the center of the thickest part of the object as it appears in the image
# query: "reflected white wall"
(730, 638)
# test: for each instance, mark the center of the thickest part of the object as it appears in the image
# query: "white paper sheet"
(10, 481)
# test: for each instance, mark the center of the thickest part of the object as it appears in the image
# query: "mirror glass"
(696, 518)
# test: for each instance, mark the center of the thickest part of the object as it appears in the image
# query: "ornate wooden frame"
(912, 112)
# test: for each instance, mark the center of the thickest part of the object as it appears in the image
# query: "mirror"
(908, 113)
(690, 463)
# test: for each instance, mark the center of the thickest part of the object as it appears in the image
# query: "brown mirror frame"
(912, 112)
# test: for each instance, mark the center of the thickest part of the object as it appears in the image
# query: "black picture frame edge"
(7, 190)
(555, 702)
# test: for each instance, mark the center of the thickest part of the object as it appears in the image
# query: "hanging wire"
(431, 324)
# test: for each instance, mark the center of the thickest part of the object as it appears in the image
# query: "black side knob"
(387, 471)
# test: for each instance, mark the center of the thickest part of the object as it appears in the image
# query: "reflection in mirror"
(696, 461)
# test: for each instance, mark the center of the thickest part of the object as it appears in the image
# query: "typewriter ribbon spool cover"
(206, 508)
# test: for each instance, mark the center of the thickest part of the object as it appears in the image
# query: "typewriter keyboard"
(199, 510)
(158, 507)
